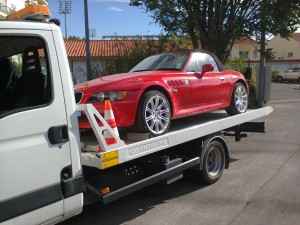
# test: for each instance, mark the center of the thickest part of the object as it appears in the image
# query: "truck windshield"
(165, 61)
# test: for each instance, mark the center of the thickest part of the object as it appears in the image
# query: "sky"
(107, 17)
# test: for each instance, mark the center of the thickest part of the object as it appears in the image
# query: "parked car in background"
(291, 74)
(164, 87)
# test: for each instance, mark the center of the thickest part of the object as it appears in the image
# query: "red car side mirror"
(207, 68)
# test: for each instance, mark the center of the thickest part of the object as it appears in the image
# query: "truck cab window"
(24, 74)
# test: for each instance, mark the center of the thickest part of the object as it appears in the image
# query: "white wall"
(281, 47)
(19, 4)
(237, 48)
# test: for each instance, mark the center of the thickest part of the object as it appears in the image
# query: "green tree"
(238, 64)
(215, 24)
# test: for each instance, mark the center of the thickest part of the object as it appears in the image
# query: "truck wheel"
(154, 114)
(213, 163)
(239, 100)
(280, 79)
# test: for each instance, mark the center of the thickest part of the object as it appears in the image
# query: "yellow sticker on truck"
(110, 159)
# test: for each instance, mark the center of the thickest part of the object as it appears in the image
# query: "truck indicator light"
(31, 12)
(104, 191)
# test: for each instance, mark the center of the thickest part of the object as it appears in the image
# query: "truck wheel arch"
(213, 160)
(219, 137)
(162, 90)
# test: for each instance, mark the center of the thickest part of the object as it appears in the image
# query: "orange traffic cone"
(110, 119)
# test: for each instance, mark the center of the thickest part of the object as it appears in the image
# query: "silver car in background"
(291, 74)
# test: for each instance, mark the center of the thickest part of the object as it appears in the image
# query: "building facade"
(246, 48)
(285, 49)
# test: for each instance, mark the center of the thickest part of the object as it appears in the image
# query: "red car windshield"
(165, 61)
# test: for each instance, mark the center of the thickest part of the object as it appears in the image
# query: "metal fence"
(78, 69)
(101, 67)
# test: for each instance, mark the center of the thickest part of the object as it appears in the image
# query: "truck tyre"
(239, 100)
(154, 114)
(213, 163)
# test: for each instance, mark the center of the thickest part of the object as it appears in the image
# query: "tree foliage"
(215, 24)
(73, 37)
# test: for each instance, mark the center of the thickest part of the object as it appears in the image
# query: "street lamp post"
(261, 80)
(87, 41)
(65, 7)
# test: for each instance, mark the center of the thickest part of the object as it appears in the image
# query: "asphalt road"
(261, 186)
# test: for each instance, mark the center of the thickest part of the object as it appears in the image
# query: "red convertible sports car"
(164, 87)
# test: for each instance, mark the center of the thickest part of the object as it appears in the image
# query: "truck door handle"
(58, 134)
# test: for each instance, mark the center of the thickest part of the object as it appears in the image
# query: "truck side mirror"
(248, 73)
(207, 68)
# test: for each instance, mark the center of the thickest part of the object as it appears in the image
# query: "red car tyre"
(239, 100)
(154, 114)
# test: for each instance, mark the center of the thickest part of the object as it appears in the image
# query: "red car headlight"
(112, 96)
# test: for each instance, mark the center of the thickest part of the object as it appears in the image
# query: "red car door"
(180, 86)
(209, 90)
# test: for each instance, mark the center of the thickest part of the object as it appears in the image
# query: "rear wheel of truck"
(213, 163)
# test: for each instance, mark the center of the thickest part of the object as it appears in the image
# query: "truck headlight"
(112, 96)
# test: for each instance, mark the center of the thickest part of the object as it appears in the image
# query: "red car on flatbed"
(164, 87)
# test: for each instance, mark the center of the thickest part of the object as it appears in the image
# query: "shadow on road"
(134, 205)
(232, 160)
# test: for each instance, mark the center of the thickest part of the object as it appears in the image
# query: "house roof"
(113, 48)
(296, 36)
(104, 48)
(245, 41)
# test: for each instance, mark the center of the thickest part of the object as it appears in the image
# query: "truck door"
(34, 140)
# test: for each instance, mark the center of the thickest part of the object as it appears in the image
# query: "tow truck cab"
(41, 175)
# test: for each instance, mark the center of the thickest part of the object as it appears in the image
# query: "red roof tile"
(245, 41)
(98, 48)
(296, 36)
(111, 48)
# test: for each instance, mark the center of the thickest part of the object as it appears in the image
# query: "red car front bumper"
(124, 111)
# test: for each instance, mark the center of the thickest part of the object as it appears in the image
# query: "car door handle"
(221, 78)
(58, 134)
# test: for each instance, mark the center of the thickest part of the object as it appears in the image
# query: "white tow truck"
(47, 169)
